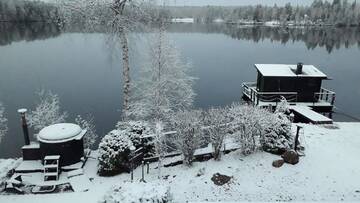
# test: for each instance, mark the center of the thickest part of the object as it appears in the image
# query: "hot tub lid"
(60, 132)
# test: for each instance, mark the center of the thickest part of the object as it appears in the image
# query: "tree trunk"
(126, 73)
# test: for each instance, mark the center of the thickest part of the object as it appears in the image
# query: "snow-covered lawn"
(329, 171)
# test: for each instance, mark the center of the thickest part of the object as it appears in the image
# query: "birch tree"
(164, 85)
(3, 122)
(119, 17)
(47, 111)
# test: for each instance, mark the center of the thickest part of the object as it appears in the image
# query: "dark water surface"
(87, 76)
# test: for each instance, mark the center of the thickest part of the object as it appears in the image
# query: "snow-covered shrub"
(160, 145)
(47, 111)
(88, 124)
(189, 133)
(3, 122)
(282, 106)
(216, 121)
(277, 136)
(114, 151)
(135, 130)
(247, 125)
(138, 193)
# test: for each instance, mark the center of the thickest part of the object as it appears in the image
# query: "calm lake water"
(87, 76)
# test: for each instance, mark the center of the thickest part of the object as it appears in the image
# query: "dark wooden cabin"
(299, 84)
(305, 80)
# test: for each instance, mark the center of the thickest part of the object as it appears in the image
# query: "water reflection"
(13, 32)
(329, 38)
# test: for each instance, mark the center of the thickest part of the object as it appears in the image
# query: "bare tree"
(47, 111)
(88, 123)
(217, 122)
(164, 85)
(189, 134)
(3, 122)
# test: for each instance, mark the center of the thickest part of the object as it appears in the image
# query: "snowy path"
(330, 171)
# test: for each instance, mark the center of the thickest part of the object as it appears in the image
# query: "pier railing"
(249, 90)
(325, 95)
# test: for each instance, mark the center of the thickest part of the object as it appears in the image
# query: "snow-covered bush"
(114, 151)
(47, 111)
(160, 145)
(277, 136)
(247, 125)
(189, 133)
(216, 121)
(135, 130)
(88, 124)
(3, 122)
(138, 193)
(283, 106)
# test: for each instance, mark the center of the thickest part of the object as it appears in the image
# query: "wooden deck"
(323, 100)
(309, 115)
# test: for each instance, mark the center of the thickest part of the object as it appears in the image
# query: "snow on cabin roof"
(283, 70)
(60, 132)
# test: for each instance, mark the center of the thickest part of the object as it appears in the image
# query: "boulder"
(291, 157)
(220, 179)
(278, 163)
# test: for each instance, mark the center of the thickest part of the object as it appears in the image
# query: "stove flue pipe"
(24, 126)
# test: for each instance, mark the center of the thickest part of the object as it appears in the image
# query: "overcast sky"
(234, 2)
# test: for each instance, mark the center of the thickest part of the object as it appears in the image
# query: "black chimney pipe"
(299, 68)
(24, 126)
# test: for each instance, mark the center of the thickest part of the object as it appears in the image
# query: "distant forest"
(320, 12)
(27, 11)
(339, 12)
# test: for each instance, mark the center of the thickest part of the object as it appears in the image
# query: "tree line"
(27, 11)
(339, 12)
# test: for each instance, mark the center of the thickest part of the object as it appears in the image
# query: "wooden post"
(297, 137)
(333, 100)
(142, 172)
(147, 167)
(24, 126)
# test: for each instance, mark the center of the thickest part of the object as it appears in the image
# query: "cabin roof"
(284, 70)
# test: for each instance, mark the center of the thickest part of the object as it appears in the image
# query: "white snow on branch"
(47, 111)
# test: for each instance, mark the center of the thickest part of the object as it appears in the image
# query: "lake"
(86, 74)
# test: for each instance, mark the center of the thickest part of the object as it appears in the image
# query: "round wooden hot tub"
(64, 139)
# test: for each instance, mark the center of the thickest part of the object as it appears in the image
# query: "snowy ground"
(329, 171)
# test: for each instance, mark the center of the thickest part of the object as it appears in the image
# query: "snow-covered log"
(155, 192)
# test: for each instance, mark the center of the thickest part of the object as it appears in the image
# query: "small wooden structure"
(300, 84)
